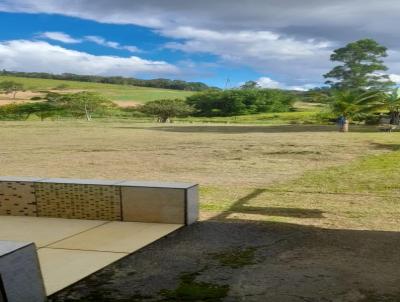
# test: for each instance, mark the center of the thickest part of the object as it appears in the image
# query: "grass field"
(119, 93)
(230, 163)
(335, 195)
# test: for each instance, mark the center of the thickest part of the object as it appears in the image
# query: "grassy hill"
(118, 93)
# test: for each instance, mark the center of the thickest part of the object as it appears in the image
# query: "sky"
(278, 43)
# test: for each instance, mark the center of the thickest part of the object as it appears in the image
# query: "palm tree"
(350, 103)
(392, 103)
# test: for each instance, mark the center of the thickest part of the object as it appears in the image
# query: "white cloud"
(59, 36)
(103, 42)
(39, 56)
(264, 51)
(286, 38)
(66, 38)
(395, 78)
(241, 45)
(266, 82)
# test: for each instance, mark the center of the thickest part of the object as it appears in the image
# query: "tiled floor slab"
(71, 249)
(125, 237)
(40, 230)
(61, 268)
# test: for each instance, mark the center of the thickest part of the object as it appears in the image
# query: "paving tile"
(61, 268)
(124, 237)
(40, 230)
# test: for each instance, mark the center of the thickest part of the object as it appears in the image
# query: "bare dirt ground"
(288, 213)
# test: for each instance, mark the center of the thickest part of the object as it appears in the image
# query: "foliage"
(362, 67)
(238, 102)
(250, 85)
(82, 103)
(352, 103)
(156, 83)
(11, 87)
(391, 102)
(164, 110)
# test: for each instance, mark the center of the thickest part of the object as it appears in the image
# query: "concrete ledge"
(21, 278)
(111, 200)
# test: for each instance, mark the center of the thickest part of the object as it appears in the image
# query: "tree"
(164, 110)
(362, 67)
(82, 103)
(11, 87)
(250, 85)
(350, 103)
(391, 102)
(239, 102)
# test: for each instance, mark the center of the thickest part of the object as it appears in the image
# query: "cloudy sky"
(279, 43)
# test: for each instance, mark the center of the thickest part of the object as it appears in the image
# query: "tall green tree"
(362, 67)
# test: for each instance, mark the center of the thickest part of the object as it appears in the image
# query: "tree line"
(154, 83)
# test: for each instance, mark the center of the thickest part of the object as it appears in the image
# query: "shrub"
(241, 102)
(164, 110)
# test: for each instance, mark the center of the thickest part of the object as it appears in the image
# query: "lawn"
(292, 166)
(334, 194)
(118, 93)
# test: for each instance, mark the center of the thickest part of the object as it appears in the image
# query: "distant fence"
(110, 200)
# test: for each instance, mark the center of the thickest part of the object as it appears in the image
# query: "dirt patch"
(127, 104)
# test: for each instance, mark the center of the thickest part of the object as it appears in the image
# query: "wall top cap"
(19, 178)
(7, 247)
(122, 183)
(80, 181)
(157, 184)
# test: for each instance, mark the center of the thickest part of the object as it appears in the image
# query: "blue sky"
(149, 44)
(279, 43)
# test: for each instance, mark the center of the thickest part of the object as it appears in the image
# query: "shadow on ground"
(225, 259)
(240, 129)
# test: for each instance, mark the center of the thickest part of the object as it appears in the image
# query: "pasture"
(335, 194)
(123, 95)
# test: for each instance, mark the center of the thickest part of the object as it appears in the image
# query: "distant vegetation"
(155, 83)
(358, 92)
(241, 101)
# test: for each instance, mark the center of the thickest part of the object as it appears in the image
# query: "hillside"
(121, 94)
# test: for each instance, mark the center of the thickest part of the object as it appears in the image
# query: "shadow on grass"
(390, 147)
(240, 207)
(238, 129)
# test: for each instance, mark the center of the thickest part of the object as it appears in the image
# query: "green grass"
(236, 258)
(191, 290)
(114, 92)
(377, 173)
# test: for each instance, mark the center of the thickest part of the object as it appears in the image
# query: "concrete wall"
(20, 273)
(100, 200)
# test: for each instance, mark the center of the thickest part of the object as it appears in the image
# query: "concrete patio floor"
(71, 249)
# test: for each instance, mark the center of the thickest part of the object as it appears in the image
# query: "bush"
(164, 110)
(240, 102)
(36, 98)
